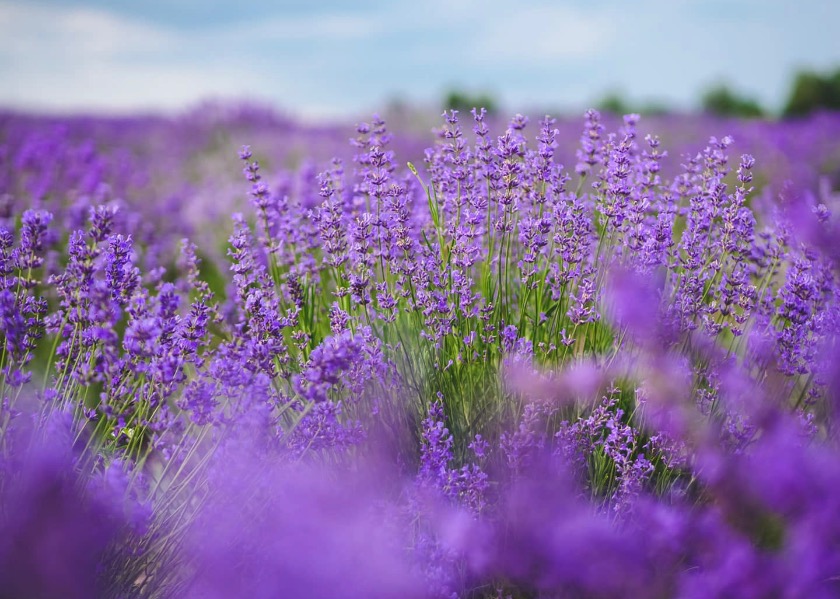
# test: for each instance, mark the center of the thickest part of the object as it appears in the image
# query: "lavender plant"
(488, 374)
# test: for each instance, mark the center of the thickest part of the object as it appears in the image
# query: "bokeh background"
(203, 325)
(334, 59)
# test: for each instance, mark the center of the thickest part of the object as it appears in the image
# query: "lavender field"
(585, 357)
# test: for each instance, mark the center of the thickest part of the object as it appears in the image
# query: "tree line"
(810, 91)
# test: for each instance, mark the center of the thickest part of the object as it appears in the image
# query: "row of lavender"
(487, 374)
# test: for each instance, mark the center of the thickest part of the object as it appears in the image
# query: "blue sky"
(332, 59)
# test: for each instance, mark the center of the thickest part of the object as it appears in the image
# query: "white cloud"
(36, 32)
(70, 58)
(74, 58)
(110, 87)
(341, 58)
(334, 26)
(543, 34)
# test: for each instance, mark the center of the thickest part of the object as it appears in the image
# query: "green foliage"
(614, 103)
(654, 108)
(813, 91)
(617, 104)
(722, 101)
(464, 101)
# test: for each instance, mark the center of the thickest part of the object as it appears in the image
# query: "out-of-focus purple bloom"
(297, 531)
(55, 538)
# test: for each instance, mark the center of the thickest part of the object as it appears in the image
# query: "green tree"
(722, 101)
(614, 103)
(464, 102)
(813, 91)
(654, 108)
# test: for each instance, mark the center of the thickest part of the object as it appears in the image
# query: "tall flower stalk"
(492, 374)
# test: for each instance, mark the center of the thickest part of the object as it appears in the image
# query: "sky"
(336, 58)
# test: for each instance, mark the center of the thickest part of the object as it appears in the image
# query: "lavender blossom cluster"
(505, 369)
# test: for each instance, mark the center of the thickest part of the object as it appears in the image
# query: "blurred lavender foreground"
(481, 374)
